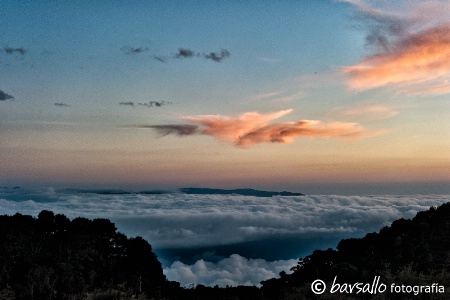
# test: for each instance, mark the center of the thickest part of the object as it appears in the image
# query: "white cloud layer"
(180, 221)
(233, 271)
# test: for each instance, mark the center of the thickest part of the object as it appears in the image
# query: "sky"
(226, 239)
(317, 97)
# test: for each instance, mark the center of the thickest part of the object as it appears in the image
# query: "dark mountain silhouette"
(191, 190)
(244, 192)
(111, 191)
(52, 257)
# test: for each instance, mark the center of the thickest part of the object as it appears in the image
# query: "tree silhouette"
(51, 257)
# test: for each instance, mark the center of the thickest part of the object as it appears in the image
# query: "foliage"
(52, 257)
(410, 252)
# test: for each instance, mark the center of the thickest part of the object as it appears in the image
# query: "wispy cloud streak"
(368, 112)
(412, 53)
(129, 103)
(154, 103)
(62, 104)
(176, 129)
(188, 53)
(130, 50)
(146, 104)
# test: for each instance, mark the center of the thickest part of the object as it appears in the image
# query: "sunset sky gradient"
(346, 97)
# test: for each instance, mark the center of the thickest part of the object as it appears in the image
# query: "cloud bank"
(232, 271)
(266, 233)
(181, 220)
(254, 128)
(412, 48)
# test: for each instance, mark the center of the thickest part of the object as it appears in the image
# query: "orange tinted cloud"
(229, 129)
(411, 41)
(419, 58)
(253, 128)
(287, 132)
(369, 112)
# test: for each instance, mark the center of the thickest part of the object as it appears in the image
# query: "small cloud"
(61, 104)
(10, 50)
(154, 103)
(160, 58)
(185, 53)
(130, 50)
(217, 57)
(177, 129)
(127, 103)
(146, 104)
(4, 96)
(214, 56)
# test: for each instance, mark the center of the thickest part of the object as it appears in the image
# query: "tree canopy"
(52, 257)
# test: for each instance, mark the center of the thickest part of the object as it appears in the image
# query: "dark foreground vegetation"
(52, 257)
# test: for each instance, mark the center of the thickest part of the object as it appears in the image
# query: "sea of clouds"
(229, 239)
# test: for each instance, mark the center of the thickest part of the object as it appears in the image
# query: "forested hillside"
(52, 257)
(410, 252)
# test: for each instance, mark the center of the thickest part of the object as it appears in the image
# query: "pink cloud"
(368, 112)
(287, 132)
(253, 128)
(231, 129)
(413, 53)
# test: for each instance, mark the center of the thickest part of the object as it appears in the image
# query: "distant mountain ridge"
(243, 192)
(113, 191)
(189, 191)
